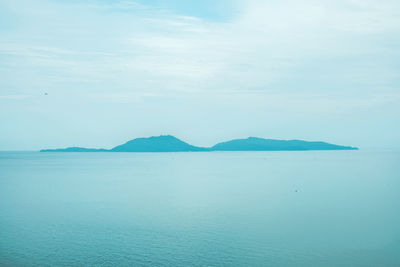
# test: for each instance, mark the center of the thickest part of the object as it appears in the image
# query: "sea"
(292, 208)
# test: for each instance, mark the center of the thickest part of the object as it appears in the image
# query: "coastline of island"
(169, 143)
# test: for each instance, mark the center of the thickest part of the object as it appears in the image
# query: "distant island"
(169, 143)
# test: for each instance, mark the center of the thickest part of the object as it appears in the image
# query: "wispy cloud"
(266, 43)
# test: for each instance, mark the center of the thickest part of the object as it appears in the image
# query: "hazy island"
(169, 143)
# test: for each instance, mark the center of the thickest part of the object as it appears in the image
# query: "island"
(162, 143)
(169, 143)
(261, 144)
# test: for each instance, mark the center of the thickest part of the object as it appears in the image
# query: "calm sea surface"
(326, 208)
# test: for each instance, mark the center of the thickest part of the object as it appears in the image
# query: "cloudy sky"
(97, 73)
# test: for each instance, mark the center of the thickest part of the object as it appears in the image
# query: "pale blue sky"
(204, 72)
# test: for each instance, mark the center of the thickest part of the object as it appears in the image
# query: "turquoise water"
(316, 208)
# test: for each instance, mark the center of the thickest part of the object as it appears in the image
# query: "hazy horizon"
(107, 146)
(97, 73)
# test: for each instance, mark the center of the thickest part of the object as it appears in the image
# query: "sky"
(97, 73)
